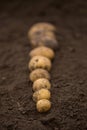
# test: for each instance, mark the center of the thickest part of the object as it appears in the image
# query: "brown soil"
(68, 74)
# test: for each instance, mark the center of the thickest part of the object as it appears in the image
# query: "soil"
(69, 70)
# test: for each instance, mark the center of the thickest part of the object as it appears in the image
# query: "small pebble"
(39, 73)
(43, 51)
(71, 49)
(41, 94)
(39, 62)
(3, 78)
(41, 83)
(43, 105)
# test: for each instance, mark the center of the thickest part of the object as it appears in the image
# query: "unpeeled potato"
(43, 51)
(40, 27)
(39, 73)
(41, 83)
(43, 105)
(45, 41)
(39, 62)
(41, 94)
(38, 36)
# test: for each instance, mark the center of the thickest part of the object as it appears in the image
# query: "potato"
(43, 51)
(41, 94)
(50, 42)
(42, 34)
(36, 39)
(39, 62)
(43, 105)
(41, 83)
(45, 41)
(40, 27)
(39, 73)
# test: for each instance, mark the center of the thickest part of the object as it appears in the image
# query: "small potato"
(39, 73)
(43, 51)
(39, 62)
(43, 105)
(41, 83)
(41, 94)
(40, 27)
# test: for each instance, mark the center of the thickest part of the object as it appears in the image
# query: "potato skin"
(39, 73)
(50, 42)
(43, 34)
(43, 51)
(40, 27)
(41, 83)
(41, 94)
(38, 36)
(39, 62)
(45, 41)
(43, 105)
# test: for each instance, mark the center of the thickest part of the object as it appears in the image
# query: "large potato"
(43, 51)
(39, 73)
(40, 27)
(41, 35)
(39, 62)
(45, 41)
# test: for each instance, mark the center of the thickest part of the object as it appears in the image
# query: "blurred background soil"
(68, 74)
